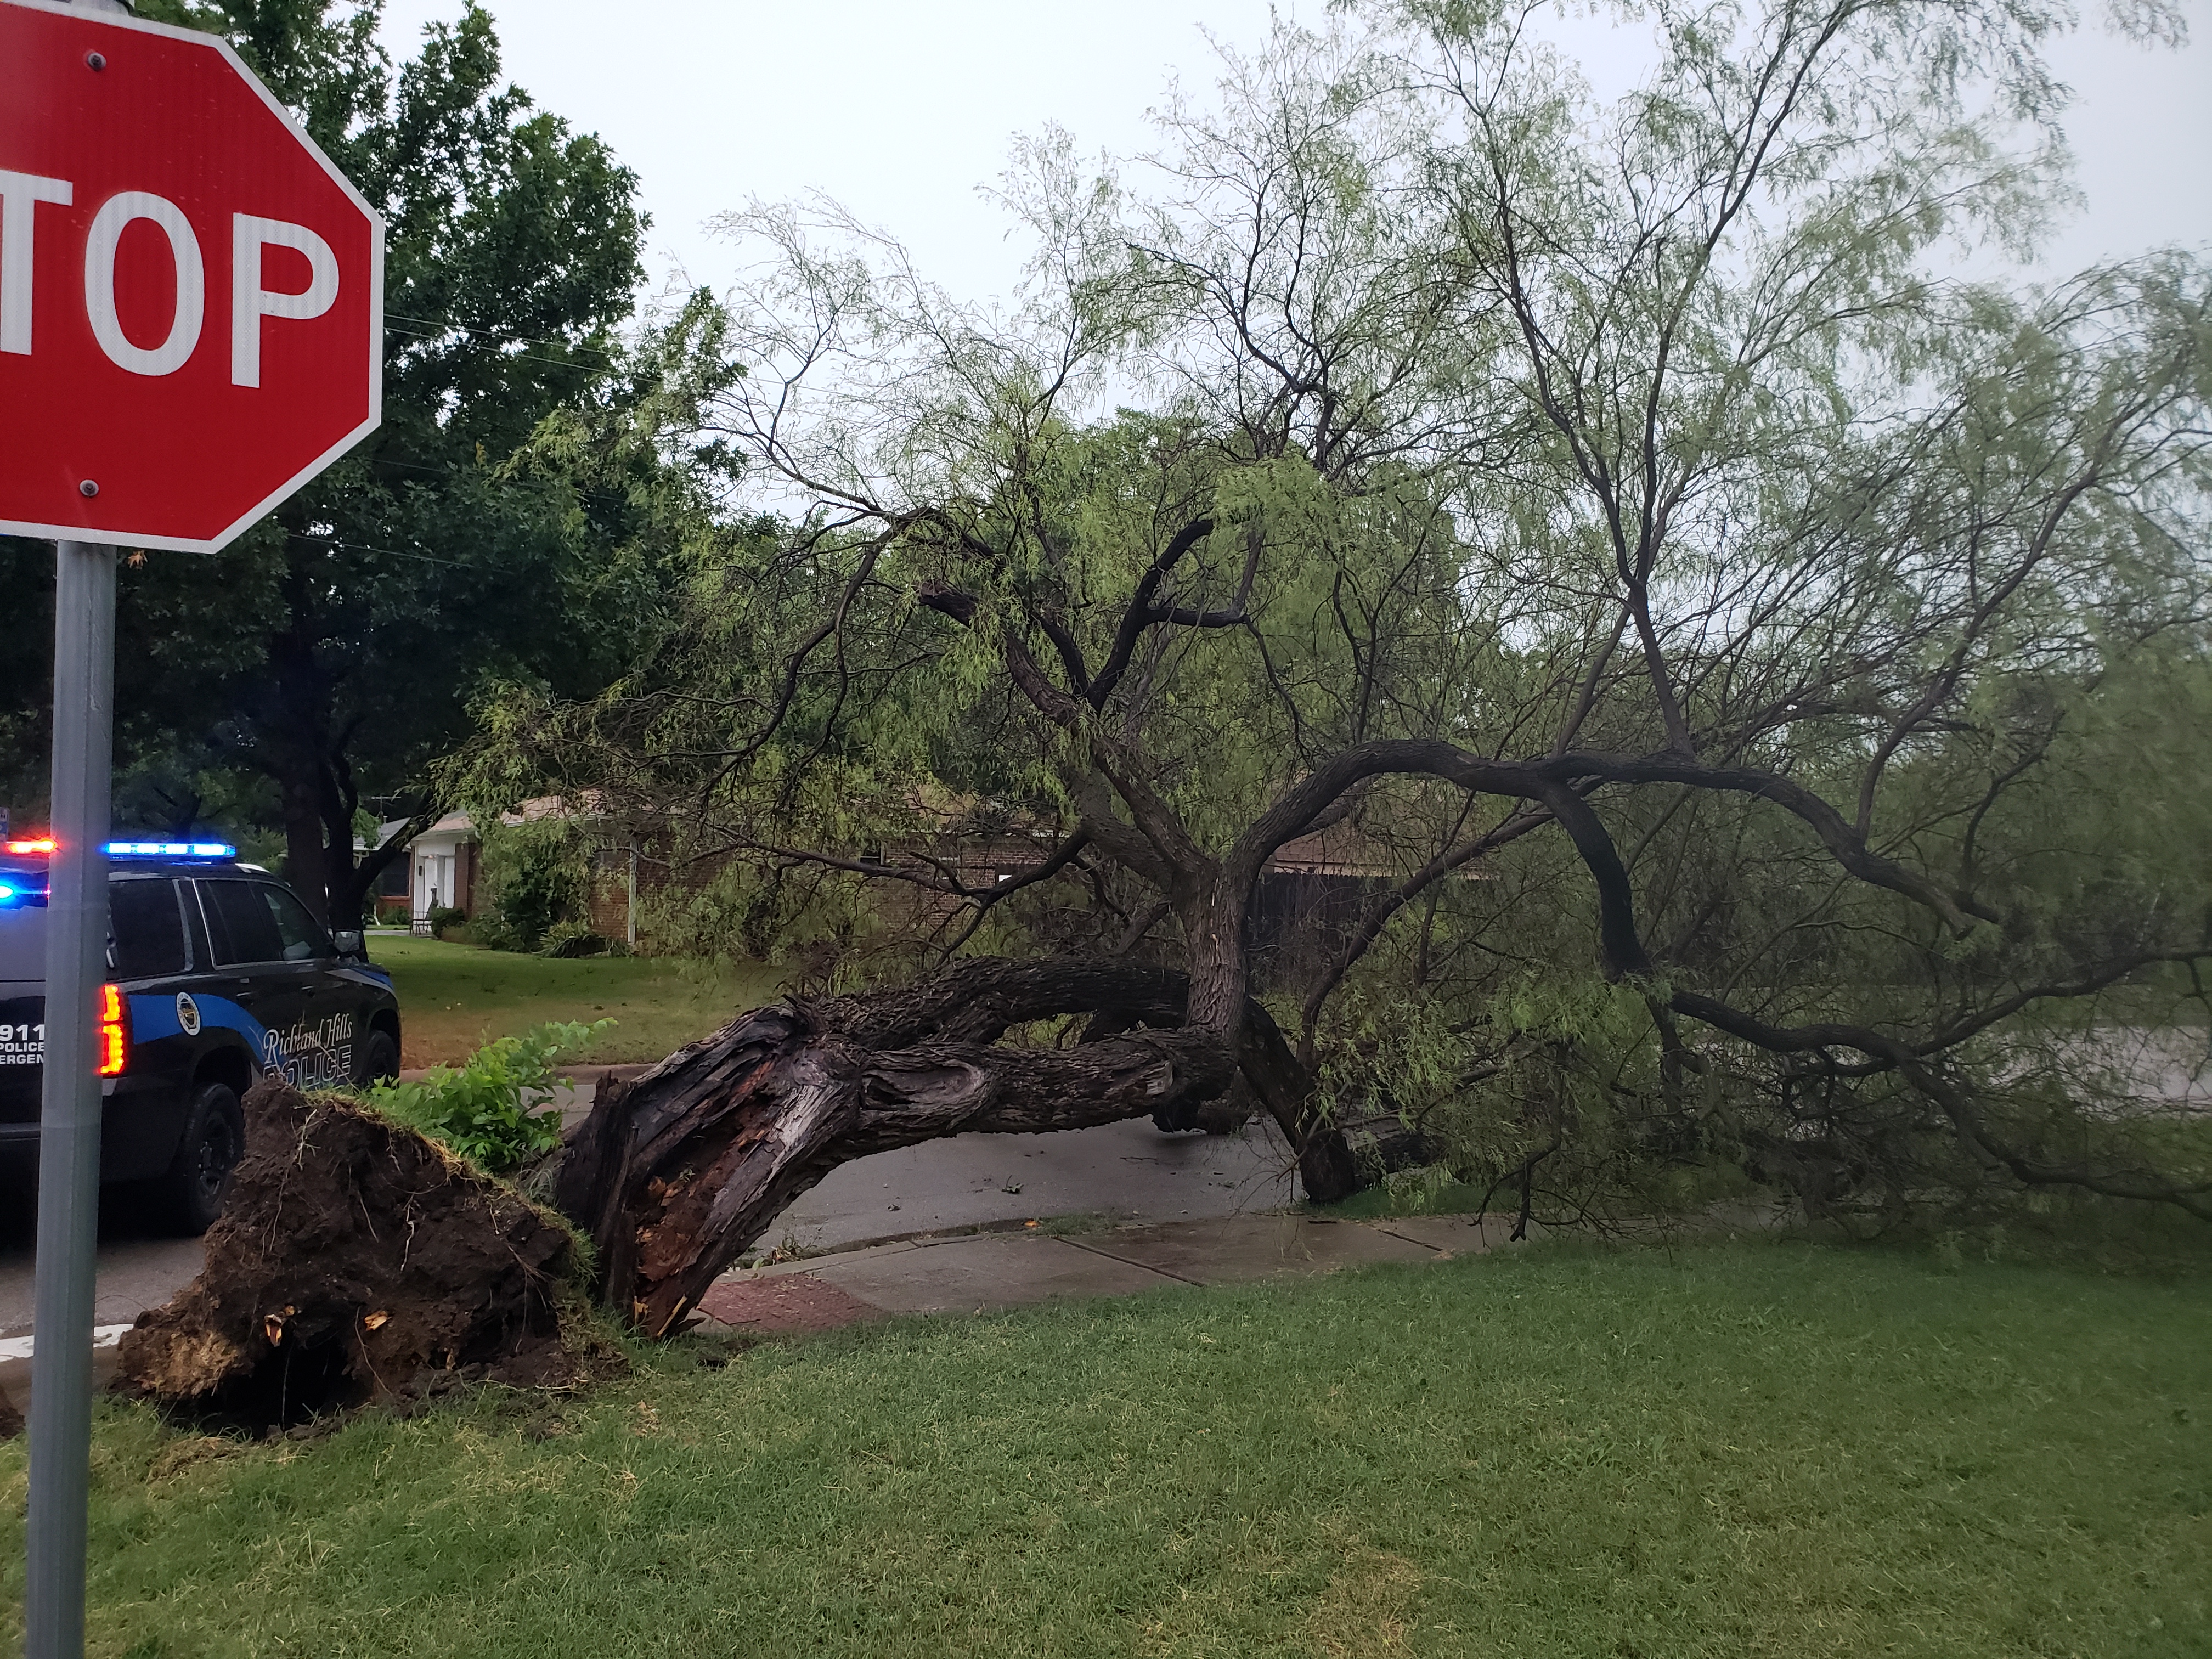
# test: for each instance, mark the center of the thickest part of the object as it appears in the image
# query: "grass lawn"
(1749, 1449)
(452, 998)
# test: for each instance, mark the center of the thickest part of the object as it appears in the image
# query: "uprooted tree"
(1750, 688)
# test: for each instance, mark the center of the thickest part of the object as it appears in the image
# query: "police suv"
(218, 976)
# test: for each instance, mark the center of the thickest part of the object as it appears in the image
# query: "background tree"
(333, 651)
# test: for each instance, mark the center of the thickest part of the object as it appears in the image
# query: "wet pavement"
(987, 1272)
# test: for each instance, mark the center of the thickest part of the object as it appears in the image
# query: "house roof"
(589, 804)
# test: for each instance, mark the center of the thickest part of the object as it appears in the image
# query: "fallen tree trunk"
(674, 1174)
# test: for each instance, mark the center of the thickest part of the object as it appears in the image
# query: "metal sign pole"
(69, 1105)
(68, 1123)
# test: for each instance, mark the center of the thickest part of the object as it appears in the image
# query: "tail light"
(114, 1031)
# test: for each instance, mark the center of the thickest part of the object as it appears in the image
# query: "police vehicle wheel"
(380, 1059)
(199, 1179)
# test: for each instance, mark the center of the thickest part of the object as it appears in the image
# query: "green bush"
(494, 1110)
(571, 939)
(536, 874)
(442, 917)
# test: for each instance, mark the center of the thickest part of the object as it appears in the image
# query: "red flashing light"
(45, 844)
(114, 1031)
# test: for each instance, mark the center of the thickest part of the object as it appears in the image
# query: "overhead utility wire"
(505, 356)
(432, 323)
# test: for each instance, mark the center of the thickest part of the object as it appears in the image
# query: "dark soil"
(356, 1262)
(11, 1420)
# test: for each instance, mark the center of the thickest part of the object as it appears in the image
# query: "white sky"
(902, 108)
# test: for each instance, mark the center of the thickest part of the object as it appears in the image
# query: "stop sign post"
(190, 328)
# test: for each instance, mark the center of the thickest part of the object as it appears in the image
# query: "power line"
(510, 357)
(465, 328)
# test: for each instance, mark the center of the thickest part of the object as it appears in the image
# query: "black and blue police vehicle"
(217, 974)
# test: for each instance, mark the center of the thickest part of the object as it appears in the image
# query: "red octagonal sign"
(191, 295)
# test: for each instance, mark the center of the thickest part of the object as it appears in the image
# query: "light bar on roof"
(171, 849)
(44, 844)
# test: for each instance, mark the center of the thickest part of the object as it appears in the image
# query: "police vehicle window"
(240, 926)
(146, 931)
(303, 940)
(22, 925)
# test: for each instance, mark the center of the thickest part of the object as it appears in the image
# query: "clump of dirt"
(357, 1262)
(11, 1420)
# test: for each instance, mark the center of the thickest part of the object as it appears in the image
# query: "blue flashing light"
(171, 849)
(19, 892)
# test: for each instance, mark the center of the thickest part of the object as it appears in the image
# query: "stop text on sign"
(190, 292)
(250, 301)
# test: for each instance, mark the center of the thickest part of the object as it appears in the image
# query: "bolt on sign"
(190, 292)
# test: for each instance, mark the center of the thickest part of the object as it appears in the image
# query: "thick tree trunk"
(304, 859)
(675, 1174)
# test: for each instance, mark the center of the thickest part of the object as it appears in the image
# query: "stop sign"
(190, 293)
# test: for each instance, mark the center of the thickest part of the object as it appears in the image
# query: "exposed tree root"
(357, 1262)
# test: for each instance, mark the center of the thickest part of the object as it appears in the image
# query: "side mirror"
(348, 940)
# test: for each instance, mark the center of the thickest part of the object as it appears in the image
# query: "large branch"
(1140, 615)
(1624, 954)
(674, 1175)
(1835, 833)
(1911, 1061)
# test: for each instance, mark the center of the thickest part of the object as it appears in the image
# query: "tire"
(200, 1176)
(380, 1059)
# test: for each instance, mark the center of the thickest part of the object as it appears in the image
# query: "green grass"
(454, 998)
(1748, 1450)
(1380, 1202)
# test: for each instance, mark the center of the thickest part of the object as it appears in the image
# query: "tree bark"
(674, 1175)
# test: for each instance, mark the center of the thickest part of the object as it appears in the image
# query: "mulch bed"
(787, 1303)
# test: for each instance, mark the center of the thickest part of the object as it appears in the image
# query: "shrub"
(571, 939)
(494, 1110)
(490, 930)
(442, 916)
(535, 874)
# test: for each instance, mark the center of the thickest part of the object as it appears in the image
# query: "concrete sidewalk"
(980, 1272)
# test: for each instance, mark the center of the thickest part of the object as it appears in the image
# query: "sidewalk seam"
(1418, 1244)
(1127, 1262)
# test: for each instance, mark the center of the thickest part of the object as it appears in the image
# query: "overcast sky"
(902, 108)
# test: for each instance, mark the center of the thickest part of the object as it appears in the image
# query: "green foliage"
(534, 876)
(571, 939)
(492, 1110)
